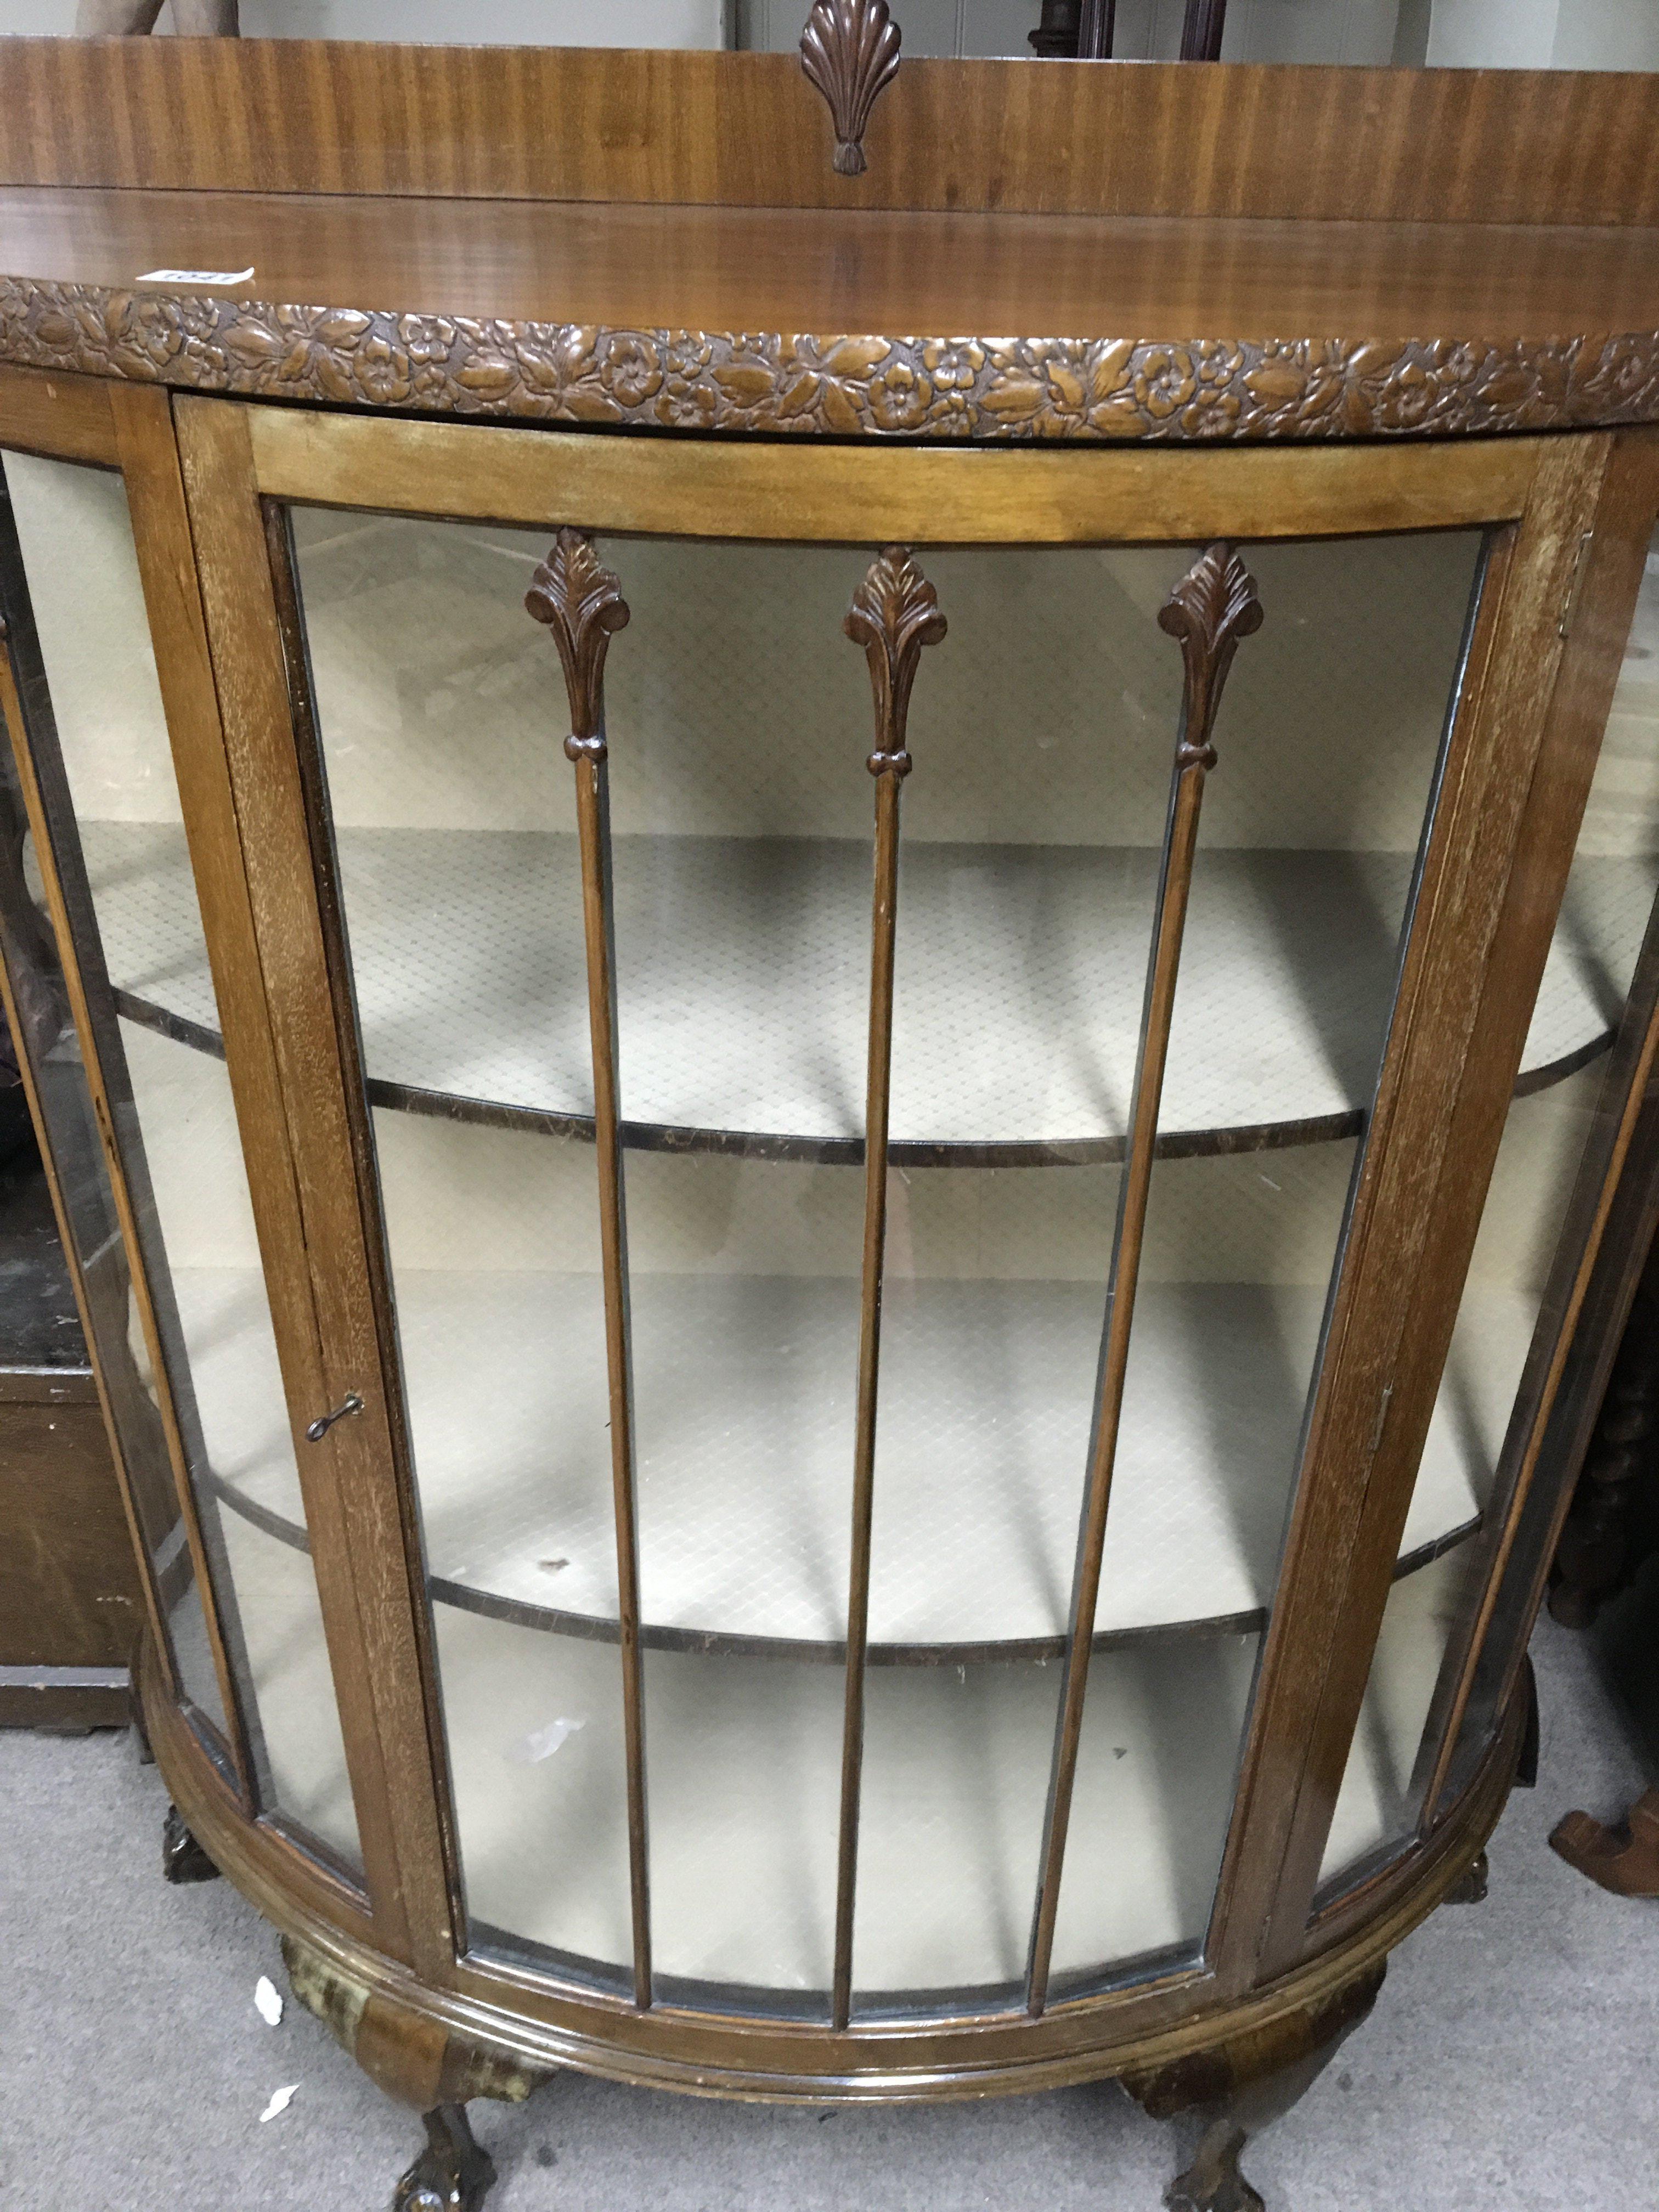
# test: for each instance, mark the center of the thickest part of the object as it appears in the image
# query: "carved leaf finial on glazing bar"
(895, 612)
(850, 51)
(1214, 605)
(581, 603)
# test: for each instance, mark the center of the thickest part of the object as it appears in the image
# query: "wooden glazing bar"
(1209, 610)
(25, 700)
(359, 1093)
(895, 613)
(581, 602)
(68, 418)
(764, 489)
(233, 735)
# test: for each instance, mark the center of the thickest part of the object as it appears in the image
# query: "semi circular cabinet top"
(842, 323)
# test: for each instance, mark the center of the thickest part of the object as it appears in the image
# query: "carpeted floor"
(1512, 2063)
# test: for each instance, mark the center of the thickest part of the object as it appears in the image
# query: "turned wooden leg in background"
(182, 1858)
(135, 1717)
(1624, 1858)
(1236, 2089)
(423, 2065)
(1593, 1555)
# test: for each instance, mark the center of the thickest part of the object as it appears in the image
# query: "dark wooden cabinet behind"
(68, 1587)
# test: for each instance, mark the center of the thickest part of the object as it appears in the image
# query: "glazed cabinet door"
(132, 976)
(869, 1039)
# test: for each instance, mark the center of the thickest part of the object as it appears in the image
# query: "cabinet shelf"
(980, 1465)
(743, 967)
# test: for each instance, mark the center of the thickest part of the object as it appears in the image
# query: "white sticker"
(267, 2002)
(280, 2101)
(542, 1742)
(195, 277)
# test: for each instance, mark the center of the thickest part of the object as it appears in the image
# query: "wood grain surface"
(746, 129)
(842, 323)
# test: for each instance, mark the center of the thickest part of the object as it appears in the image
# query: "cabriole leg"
(417, 2060)
(453, 2173)
(1238, 2088)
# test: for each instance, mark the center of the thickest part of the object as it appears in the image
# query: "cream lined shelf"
(743, 985)
(743, 1394)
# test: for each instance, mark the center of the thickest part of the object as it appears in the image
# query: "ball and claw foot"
(454, 2171)
(1212, 2183)
(182, 1858)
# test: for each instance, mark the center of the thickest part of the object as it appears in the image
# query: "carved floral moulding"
(994, 388)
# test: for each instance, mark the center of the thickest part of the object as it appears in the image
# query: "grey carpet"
(1512, 2063)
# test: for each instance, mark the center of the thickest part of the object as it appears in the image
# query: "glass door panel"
(208, 1363)
(736, 847)
(740, 842)
(1042, 732)
(439, 718)
(1603, 955)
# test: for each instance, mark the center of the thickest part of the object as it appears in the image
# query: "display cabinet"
(865, 1182)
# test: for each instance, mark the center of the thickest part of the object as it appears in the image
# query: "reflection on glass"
(48, 1040)
(1559, 1119)
(144, 962)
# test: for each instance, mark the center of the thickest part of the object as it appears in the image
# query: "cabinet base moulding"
(484, 2027)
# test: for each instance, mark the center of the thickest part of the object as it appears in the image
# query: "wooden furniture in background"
(868, 1184)
(1083, 30)
(1598, 1550)
(69, 1608)
(1624, 1858)
(69, 1591)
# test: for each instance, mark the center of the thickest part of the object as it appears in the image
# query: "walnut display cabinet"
(875, 1108)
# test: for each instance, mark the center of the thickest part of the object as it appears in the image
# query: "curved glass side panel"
(193, 1349)
(1597, 994)
(47, 1040)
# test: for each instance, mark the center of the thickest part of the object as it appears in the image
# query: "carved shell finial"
(895, 612)
(581, 603)
(1214, 605)
(850, 50)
